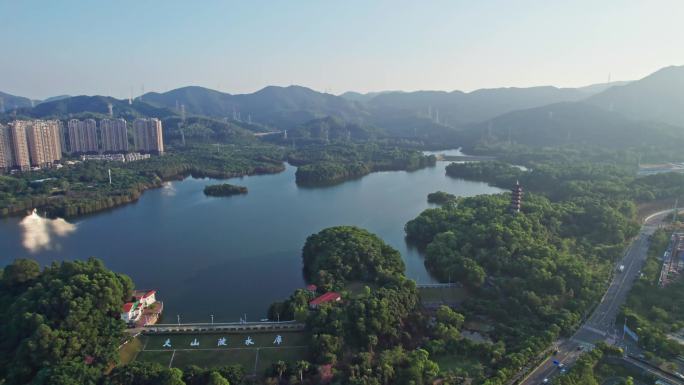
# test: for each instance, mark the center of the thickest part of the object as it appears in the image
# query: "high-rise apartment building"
(147, 135)
(63, 138)
(114, 135)
(6, 157)
(27, 143)
(43, 142)
(19, 144)
(82, 135)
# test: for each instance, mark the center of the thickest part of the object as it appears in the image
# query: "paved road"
(600, 326)
(657, 373)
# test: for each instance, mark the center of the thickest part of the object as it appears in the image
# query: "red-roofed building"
(145, 297)
(311, 288)
(328, 297)
(131, 311)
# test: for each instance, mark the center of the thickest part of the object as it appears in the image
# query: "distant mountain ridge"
(649, 111)
(281, 107)
(593, 89)
(458, 108)
(657, 97)
(55, 98)
(289, 107)
(536, 115)
(571, 123)
(84, 106)
(12, 102)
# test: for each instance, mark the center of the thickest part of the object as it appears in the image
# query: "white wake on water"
(40, 233)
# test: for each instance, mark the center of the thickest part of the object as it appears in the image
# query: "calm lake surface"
(234, 255)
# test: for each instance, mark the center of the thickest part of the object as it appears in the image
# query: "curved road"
(600, 326)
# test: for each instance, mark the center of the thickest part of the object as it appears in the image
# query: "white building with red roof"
(143, 302)
(131, 311)
(145, 297)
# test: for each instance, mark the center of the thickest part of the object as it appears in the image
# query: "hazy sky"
(106, 47)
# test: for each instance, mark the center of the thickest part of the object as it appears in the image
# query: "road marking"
(256, 360)
(172, 355)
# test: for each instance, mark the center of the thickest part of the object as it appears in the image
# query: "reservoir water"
(231, 256)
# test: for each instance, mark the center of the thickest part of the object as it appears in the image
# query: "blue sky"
(108, 47)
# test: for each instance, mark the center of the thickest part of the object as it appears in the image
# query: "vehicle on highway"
(621, 268)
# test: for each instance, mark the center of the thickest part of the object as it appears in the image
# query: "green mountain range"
(278, 107)
(646, 111)
(649, 110)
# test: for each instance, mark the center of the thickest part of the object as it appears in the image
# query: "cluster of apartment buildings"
(112, 136)
(40, 143)
(27, 143)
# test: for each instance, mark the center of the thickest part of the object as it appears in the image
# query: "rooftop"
(327, 297)
(143, 293)
(128, 306)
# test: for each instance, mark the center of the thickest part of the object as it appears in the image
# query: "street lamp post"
(178, 317)
(212, 319)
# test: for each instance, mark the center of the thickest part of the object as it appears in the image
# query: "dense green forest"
(601, 365)
(374, 335)
(534, 275)
(565, 174)
(145, 373)
(338, 255)
(60, 323)
(531, 276)
(224, 189)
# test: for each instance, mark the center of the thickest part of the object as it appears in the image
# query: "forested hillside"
(533, 275)
(60, 323)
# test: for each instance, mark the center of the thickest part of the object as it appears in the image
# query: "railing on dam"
(225, 326)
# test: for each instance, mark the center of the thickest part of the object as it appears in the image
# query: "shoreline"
(199, 174)
(135, 195)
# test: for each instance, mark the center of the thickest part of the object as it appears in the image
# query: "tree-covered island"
(224, 190)
(339, 162)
